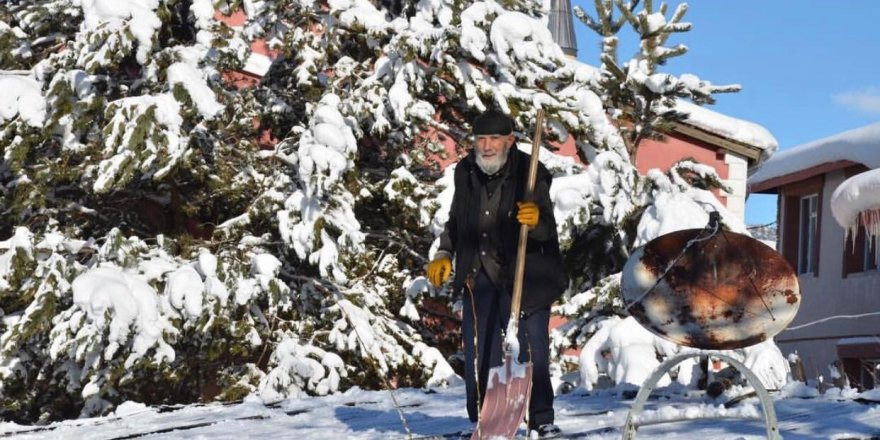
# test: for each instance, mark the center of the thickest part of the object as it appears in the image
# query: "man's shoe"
(547, 431)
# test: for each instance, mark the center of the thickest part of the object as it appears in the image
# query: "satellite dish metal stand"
(629, 429)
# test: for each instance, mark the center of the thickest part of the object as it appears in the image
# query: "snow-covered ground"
(367, 415)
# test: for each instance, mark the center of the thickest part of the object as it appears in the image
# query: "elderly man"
(482, 232)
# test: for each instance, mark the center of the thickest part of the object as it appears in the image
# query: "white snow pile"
(703, 411)
(856, 202)
(628, 354)
(300, 367)
(193, 80)
(873, 395)
(166, 146)
(133, 307)
(632, 354)
(799, 390)
(767, 362)
(326, 149)
(324, 154)
(133, 17)
(614, 182)
(677, 206)
(404, 188)
(571, 197)
(360, 13)
(523, 37)
(473, 39)
(21, 96)
(357, 414)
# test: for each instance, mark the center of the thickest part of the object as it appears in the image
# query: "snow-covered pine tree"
(123, 154)
(157, 253)
(122, 151)
(628, 210)
(177, 290)
(428, 74)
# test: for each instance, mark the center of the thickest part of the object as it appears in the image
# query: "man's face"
(492, 151)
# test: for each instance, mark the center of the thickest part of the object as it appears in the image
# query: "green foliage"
(21, 266)
(238, 382)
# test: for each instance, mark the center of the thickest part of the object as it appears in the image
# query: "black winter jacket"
(544, 279)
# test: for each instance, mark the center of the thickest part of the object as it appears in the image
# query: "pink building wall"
(663, 154)
(675, 147)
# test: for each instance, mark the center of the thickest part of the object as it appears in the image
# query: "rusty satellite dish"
(710, 289)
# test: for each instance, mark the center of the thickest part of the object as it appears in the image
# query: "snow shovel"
(509, 385)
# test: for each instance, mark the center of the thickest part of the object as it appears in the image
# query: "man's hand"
(527, 214)
(439, 270)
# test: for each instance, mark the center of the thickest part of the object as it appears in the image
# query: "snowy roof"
(744, 135)
(856, 203)
(860, 145)
(729, 127)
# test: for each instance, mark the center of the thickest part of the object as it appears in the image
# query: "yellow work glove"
(528, 213)
(439, 270)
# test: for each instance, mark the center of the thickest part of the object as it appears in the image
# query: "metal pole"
(629, 429)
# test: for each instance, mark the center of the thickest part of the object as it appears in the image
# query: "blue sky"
(808, 68)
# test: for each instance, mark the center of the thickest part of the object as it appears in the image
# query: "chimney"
(562, 26)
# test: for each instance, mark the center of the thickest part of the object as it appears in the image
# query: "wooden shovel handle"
(523, 229)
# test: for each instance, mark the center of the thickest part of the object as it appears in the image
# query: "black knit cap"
(492, 122)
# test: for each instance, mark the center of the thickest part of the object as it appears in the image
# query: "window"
(808, 228)
(870, 373)
(870, 254)
(800, 221)
(860, 253)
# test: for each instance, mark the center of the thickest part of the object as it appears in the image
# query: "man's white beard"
(493, 165)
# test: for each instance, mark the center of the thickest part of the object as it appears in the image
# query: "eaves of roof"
(750, 152)
(771, 186)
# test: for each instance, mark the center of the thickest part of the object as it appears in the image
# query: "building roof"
(857, 146)
(744, 137)
(732, 128)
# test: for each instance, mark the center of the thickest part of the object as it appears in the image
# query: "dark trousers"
(489, 307)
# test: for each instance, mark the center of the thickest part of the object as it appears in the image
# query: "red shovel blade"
(507, 398)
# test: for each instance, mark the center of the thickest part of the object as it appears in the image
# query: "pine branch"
(674, 24)
(631, 6)
(730, 88)
(587, 20)
(664, 53)
(603, 11)
(678, 27)
(612, 66)
(628, 14)
(679, 13)
(390, 237)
